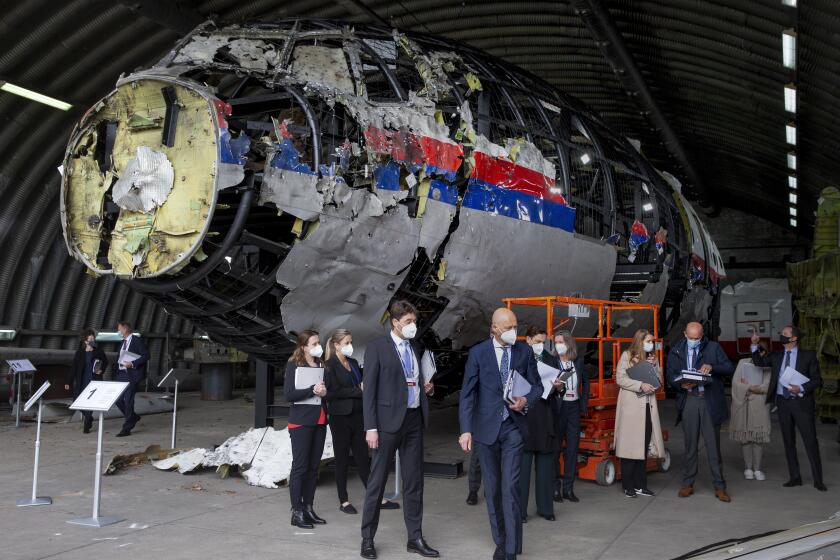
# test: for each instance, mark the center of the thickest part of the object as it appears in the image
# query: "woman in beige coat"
(638, 434)
(749, 423)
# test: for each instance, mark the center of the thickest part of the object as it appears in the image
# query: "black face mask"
(785, 339)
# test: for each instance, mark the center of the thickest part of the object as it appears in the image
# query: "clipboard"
(306, 377)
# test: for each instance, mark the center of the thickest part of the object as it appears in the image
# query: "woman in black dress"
(88, 365)
(307, 430)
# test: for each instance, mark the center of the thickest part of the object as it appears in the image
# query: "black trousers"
(307, 449)
(567, 428)
(799, 413)
(545, 468)
(409, 441)
(126, 401)
(474, 474)
(348, 434)
(634, 471)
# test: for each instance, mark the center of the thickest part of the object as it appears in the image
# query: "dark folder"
(645, 372)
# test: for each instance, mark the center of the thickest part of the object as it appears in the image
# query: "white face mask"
(648, 346)
(562, 348)
(409, 330)
(538, 348)
(509, 337)
(316, 351)
(347, 350)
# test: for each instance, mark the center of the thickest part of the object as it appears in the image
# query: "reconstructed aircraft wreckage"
(268, 178)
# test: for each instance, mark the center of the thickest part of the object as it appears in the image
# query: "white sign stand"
(19, 367)
(98, 396)
(172, 379)
(36, 500)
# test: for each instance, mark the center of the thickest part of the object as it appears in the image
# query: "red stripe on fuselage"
(411, 148)
(508, 175)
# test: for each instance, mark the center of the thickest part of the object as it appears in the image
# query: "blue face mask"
(692, 343)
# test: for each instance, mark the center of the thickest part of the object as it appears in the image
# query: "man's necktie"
(785, 392)
(408, 370)
(504, 369)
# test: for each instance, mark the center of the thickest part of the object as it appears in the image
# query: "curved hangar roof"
(711, 70)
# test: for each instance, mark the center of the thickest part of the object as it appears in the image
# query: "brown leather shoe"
(686, 491)
(721, 495)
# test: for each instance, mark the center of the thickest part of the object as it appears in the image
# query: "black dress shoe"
(549, 517)
(389, 505)
(299, 519)
(419, 546)
(793, 482)
(570, 496)
(499, 553)
(349, 509)
(124, 433)
(558, 496)
(472, 498)
(368, 550)
(312, 516)
(820, 486)
(86, 429)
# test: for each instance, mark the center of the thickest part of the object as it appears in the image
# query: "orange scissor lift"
(596, 460)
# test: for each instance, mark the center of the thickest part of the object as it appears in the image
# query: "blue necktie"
(504, 369)
(785, 392)
(408, 370)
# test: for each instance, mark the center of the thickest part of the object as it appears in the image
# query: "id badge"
(411, 383)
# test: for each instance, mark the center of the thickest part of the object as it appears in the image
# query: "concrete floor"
(175, 516)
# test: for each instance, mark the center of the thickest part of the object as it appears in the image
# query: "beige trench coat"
(629, 439)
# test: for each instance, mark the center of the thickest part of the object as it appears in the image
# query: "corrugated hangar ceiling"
(713, 70)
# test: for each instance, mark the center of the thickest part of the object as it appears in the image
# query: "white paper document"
(19, 366)
(126, 356)
(517, 386)
(428, 368)
(792, 377)
(547, 375)
(306, 377)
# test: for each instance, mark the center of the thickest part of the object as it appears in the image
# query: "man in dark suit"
(701, 408)
(498, 428)
(396, 411)
(797, 409)
(132, 371)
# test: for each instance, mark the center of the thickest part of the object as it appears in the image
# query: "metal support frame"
(174, 414)
(18, 374)
(36, 500)
(596, 16)
(96, 520)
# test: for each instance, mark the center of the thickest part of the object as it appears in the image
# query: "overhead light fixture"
(792, 198)
(791, 160)
(789, 48)
(791, 3)
(790, 98)
(8, 334)
(112, 336)
(793, 222)
(647, 206)
(792, 182)
(790, 133)
(585, 159)
(34, 96)
(792, 211)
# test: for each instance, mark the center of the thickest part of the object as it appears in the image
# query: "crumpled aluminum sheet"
(200, 50)
(146, 181)
(254, 54)
(325, 66)
(263, 455)
(292, 192)
(485, 263)
(436, 222)
(362, 252)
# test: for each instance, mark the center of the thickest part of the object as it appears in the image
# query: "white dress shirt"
(402, 344)
(499, 348)
(124, 348)
(571, 383)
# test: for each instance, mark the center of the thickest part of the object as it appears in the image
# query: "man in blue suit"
(701, 408)
(132, 371)
(498, 428)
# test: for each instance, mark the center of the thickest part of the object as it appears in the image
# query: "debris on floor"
(152, 453)
(262, 456)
